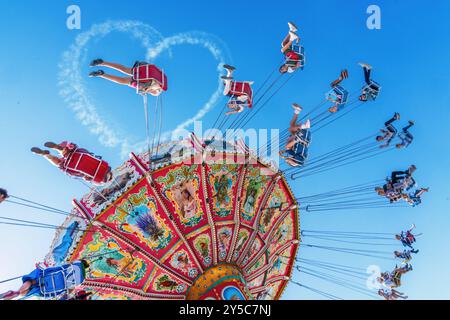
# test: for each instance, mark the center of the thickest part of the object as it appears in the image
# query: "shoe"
(332, 109)
(293, 36)
(53, 145)
(397, 116)
(226, 78)
(228, 67)
(307, 124)
(411, 122)
(40, 151)
(297, 107)
(97, 73)
(96, 62)
(344, 74)
(365, 65)
(292, 27)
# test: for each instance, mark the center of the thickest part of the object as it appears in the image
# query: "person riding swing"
(338, 95)
(50, 282)
(372, 89)
(297, 144)
(240, 93)
(389, 132)
(77, 162)
(293, 53)
(144, 77)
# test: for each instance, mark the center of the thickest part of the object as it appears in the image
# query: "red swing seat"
(240, 89)
(83, 164)
(143, 73)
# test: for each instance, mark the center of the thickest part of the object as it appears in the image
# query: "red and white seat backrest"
(242, 88)
(151, 72)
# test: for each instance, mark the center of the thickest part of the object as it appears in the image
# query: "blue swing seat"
(59, 280)
(303, 135)
(372, 90)
(300, 50)
(299, 153)
(338, 95)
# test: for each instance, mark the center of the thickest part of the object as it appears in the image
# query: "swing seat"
(338, 95)
(145, 72)
(239, 89)
(298, 154)
(82, 163)
(58, 280)
(297, 54)
(372, 90)
(406, 136)
(303, 135)
(397, 279)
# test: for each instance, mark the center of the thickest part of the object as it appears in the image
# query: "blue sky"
(410, 58)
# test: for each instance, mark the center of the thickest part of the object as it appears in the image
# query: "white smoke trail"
(75, 94)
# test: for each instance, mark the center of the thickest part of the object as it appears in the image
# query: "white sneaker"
(365, 65)
(306, 125)
(297, 108)
(293, 37)
(292, 27)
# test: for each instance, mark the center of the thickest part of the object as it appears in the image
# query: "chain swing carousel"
(208, 219)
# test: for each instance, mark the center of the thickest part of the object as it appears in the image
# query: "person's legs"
(336, 82)
(235, 108)
(288, 41)
(391, 129)
(409, 137)
(118, 67)
(394, 118)
(53, 159)
(285, 41)
(25, 288)
(293, 130)
(119, 80)
(398, 175)
(342, 76)
(286, 46)
(46, 154)
(293, 122)
(54, 146)
(421, 191)
(227, 85)
(367, 75)
(408, 244)
(290, 144)
(290, 139)
(9, 295)
(405, 129)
